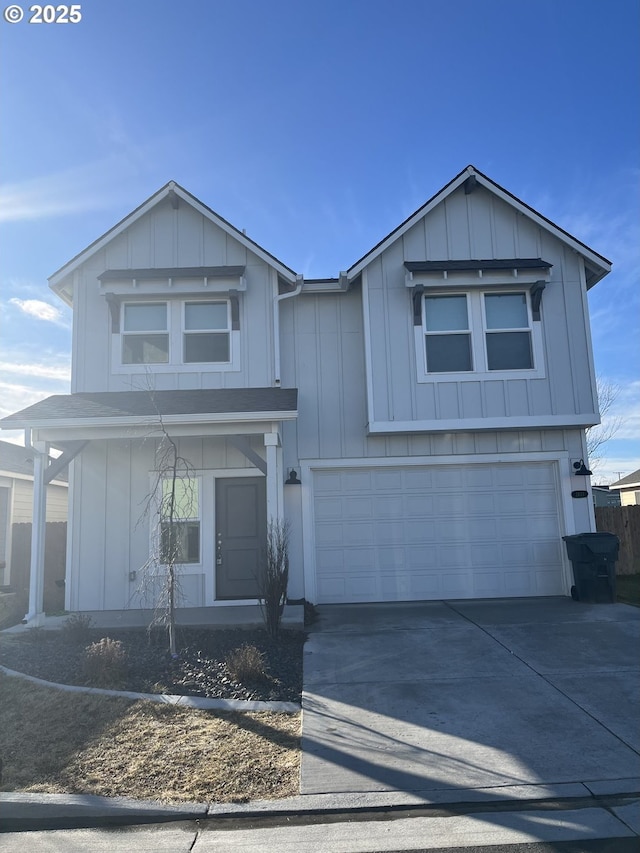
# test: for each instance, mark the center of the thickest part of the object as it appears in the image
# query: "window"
(508, 335)
(145, 338)
(178, 332)
(448, 338)
(180, 537)
(476, 332)
(207, 332)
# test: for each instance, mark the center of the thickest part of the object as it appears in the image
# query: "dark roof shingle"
(127, 404)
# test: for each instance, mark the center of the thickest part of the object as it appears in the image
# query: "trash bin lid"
(597, 543)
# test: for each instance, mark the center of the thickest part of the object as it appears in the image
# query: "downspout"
(276, 327)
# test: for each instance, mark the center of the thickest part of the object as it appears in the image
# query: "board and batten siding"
(170, 238)
(464, 227)
(111, 485)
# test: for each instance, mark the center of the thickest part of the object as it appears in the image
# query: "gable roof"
(175, 193)
(597, 265)
(632, 479)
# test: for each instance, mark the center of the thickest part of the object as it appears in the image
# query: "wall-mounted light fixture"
(580, 469)
(292, 479)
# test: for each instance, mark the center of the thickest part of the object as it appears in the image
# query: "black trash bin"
(593, 557)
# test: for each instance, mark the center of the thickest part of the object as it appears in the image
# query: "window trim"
(478, 331)
(197, 478)
(176, 331)
(228, 330)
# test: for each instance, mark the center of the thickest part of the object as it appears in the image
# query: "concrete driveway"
(472, 695)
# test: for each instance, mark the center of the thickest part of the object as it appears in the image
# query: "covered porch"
(232, 441)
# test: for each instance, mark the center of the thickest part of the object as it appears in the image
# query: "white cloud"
(39, 309)
(60, 373)
(14, 397)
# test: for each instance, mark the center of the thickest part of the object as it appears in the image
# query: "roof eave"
(598, 263)
(151, 420)
(59, 279)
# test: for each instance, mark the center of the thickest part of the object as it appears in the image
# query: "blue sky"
(318, 128)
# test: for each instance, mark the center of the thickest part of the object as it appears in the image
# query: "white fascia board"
(479, 424)
(284, 271)
(153, 420)
(488, 184)
(417, 216)
(557, 232)
(57, 280)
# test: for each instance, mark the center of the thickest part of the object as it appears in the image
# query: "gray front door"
(241, 533)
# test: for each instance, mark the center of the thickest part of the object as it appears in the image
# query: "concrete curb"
(198, 702)
(24, 811)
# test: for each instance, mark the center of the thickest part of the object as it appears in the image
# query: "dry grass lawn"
(57, 742)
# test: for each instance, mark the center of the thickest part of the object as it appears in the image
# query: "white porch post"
(35, 616)
(275, 486)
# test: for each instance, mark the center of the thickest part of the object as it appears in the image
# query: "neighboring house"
(430, 402)
(605, 496)
(628, 488)
(16, 498)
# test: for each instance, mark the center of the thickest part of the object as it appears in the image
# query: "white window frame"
(478, 330)
(124, 334)
(185, 332)
(176, 331)
(156, 534)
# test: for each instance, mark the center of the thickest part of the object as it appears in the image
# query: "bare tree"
(600, 434)
(170, 504)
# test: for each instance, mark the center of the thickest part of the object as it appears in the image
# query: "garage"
(420, 532)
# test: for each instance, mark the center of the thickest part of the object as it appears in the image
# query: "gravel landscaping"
(204, 666)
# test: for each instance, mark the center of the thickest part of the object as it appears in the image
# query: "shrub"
(77, 628)
(273, 583)
(246, 663)
(105, 663)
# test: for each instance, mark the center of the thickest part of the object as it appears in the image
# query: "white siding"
(171, 238)
(110, 538)
(464, 227)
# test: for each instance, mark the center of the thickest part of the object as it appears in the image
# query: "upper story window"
(207, 332)
(507, 331)
(145, 338)
(464, 334)
(447, 333)
(191, 334)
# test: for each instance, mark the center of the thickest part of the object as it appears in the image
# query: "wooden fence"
(54, 563)
(624, 521)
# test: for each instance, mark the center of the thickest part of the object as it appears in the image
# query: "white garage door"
(450, 531)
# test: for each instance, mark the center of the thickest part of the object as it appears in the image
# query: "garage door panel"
(482, 503)
(417, 479)
(388, 478)
(391, 506)
(448, 478)
(510, 503)
(358, 507)
(419, 532)
(453, 531)
(420, 506)
(389, 533)
(449, 505)
(425, 556)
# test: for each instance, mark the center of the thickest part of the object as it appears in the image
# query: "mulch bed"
(199, 670)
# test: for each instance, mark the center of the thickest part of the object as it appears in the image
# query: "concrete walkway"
(443, 697)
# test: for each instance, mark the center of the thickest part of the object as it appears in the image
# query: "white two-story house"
(418, 420)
